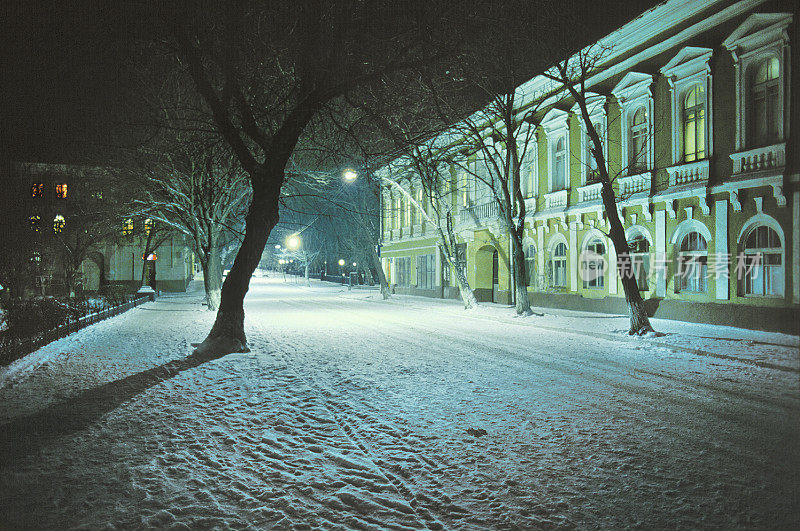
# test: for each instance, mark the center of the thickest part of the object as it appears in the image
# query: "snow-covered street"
(353, 412)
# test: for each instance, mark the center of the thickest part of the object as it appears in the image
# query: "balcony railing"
(557, 199)
(690, 173)
(590, 192)
(480, 212)
(634, 184)
(763, 158)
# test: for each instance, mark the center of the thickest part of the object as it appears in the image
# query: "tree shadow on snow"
(26, 435)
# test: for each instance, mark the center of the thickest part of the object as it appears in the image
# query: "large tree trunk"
(146, 253)
(448, 250)
(640, 322)
(212, 277)
(227, 335)
(522, 303)
(376, 262)
(308, 267)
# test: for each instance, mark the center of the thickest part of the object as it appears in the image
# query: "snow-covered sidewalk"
(354, 412)
(765, 349)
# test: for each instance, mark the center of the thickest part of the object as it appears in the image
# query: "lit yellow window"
(148, 225)
(36, 222)
(61, 191)
(37, 190)
(694, 125)
(59, 223)
(127, 227)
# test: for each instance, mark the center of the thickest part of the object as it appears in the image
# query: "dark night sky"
(67, 86)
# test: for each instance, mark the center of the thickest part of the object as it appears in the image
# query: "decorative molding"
(691, 67)
(760, 37)
(760, 159)
(633, 92)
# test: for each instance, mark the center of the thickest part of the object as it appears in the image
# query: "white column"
(796, 248)
(612, 268)
(660, 265)
(721, 248)
(573, 256)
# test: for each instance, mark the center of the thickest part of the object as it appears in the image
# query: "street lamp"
(341, 262)
(277, 246)
(350, 175)
(293, 242)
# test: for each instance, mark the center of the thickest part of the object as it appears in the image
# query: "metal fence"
(15, 349)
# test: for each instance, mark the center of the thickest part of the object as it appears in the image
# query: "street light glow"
(350, 175)
(293, 242)
(354, 264)
(341, 261)
(277, 246)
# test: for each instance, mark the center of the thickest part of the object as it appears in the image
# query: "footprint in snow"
(476, 432)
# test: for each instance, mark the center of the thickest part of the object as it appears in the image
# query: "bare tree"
(498, 138)
(201, 192)
(265, 72)
(572, 75)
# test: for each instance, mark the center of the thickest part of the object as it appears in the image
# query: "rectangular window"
(61, 191)
(403, 271)
(426, 271)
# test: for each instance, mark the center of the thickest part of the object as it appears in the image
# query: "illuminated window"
(37, 190)
(694, 125)
(59, 223)
(127, 227)
(36, 257)
(148, 225)
(61, 191)
(97, 195)
(150, 257)
(36, 222)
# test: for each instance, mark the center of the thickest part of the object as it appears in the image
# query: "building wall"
(721, 201)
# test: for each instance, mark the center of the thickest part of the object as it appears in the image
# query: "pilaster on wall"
(661, 253)
(573, 256)
(721, 270)
(612, 268)
(439, 275)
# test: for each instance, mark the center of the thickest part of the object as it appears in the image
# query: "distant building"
(697, 104)
(67, 218)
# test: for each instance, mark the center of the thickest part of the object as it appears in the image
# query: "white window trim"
(690, 68)
(635, 91)
(749, 226)
(556, 124)
(596, 105)
(762, 36)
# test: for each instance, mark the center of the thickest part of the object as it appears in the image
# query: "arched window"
(37, 189)
(692, 264)
(764, 103)
(148, 225)
(36, 222)
(638, 142)
(560, 164)
(694, 125)
(593, 264)
(761, 263)
(59, 223)
(640, 259)
(530, 265)
(558, 266)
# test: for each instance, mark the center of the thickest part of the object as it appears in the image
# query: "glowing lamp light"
(293, 242)
(350, 175)
(341, 261)
(354, 264)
